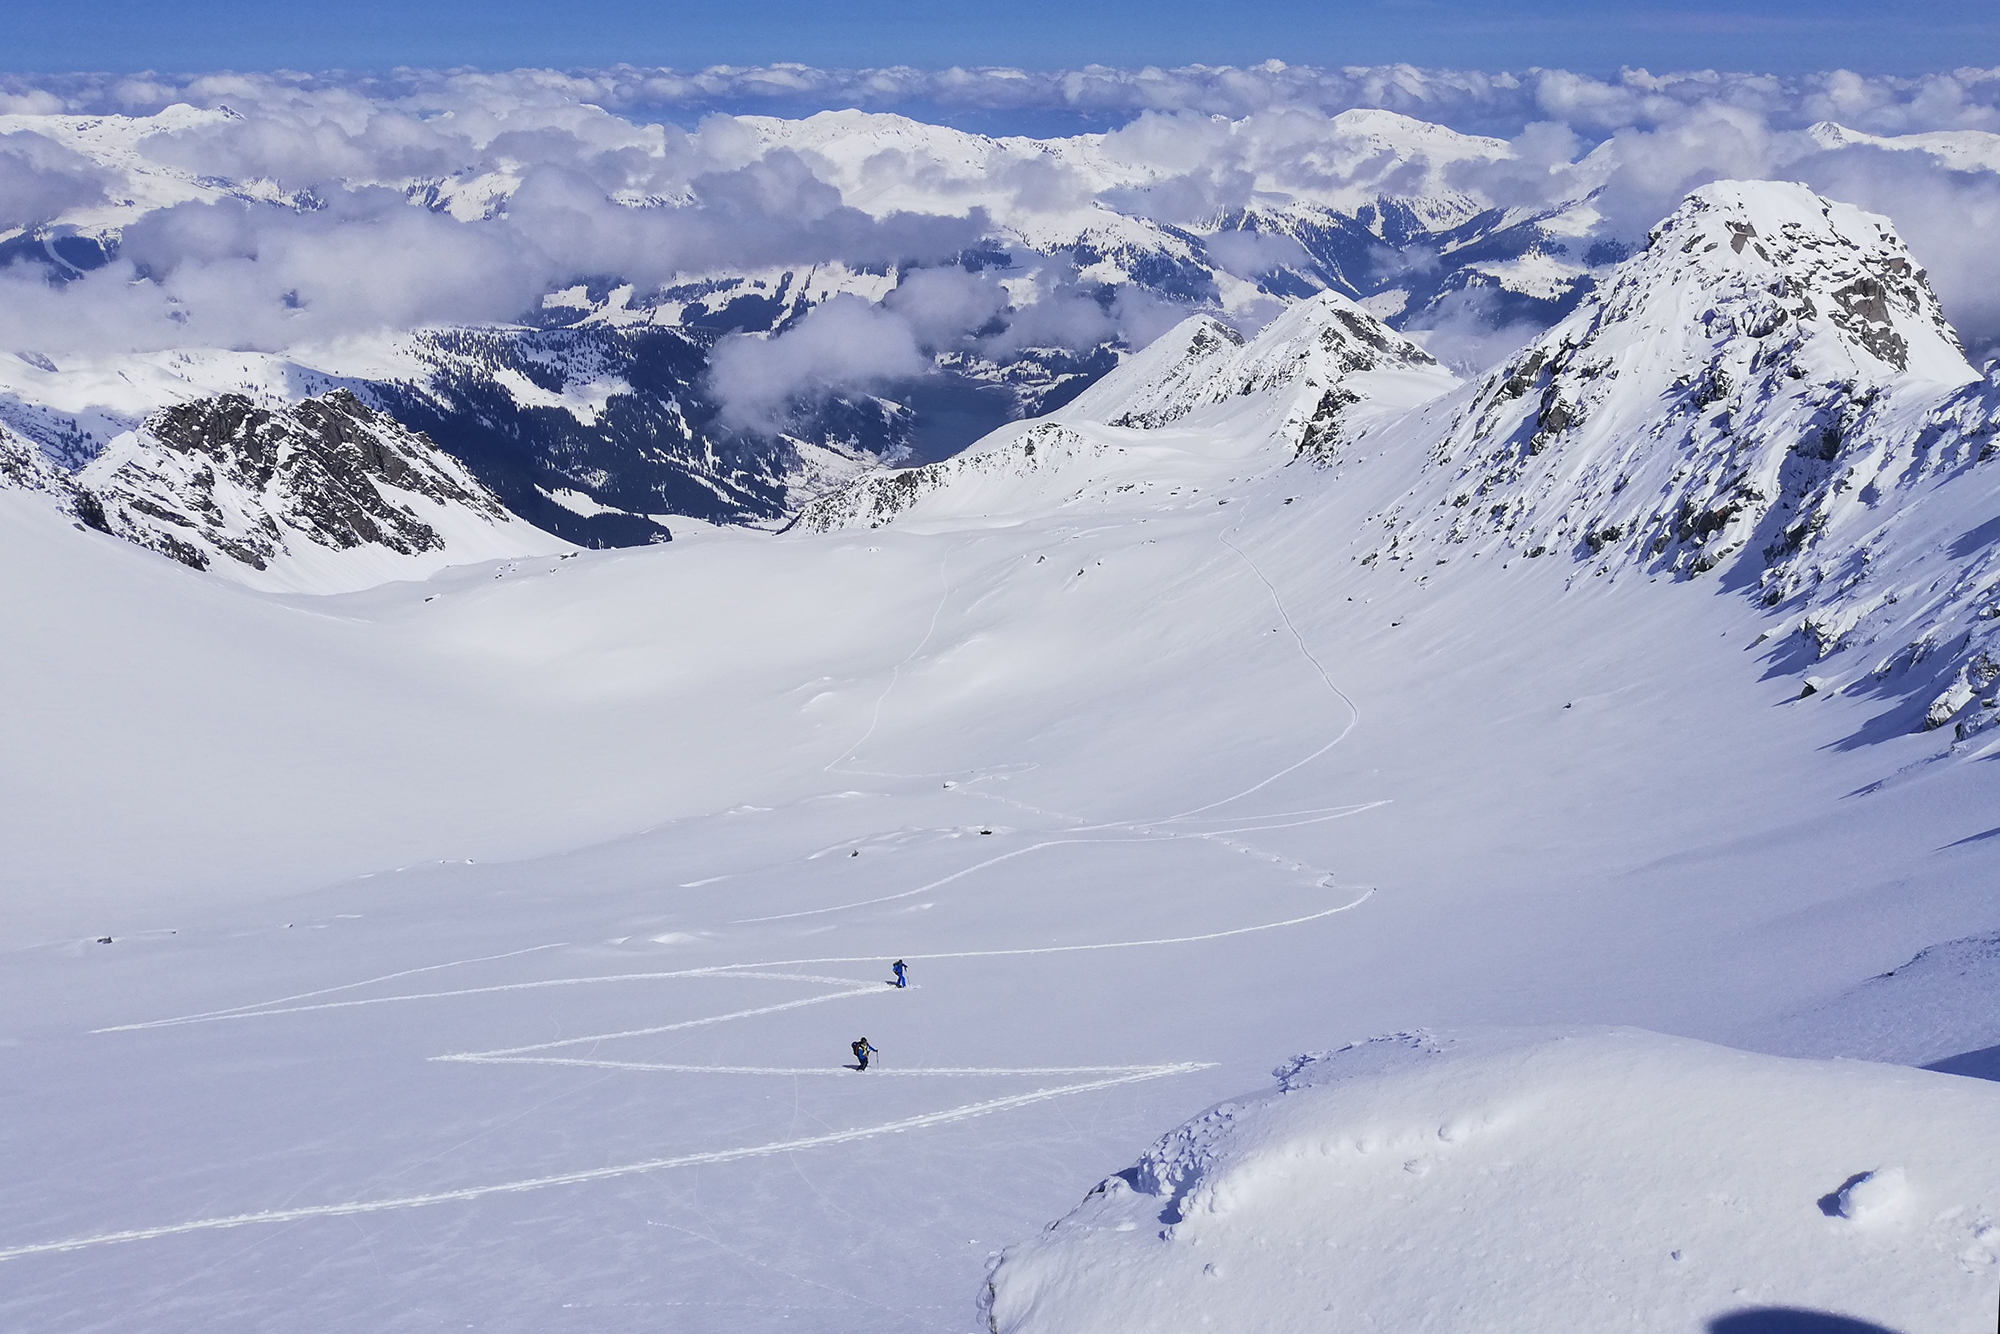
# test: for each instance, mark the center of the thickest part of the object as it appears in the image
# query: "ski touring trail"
(1190, 825)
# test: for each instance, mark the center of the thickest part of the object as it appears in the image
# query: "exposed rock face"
(24, 467)
(223, 480)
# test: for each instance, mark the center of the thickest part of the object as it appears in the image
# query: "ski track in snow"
(1112, 1075)
(1146, 830)
(727, 970)
(351, 1208)
(1126, 831)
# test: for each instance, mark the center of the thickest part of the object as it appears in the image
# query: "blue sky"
(1870, 36)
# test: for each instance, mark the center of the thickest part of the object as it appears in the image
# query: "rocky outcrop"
(24, 467)
(232, 486)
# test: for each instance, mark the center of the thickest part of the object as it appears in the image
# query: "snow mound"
(1538, 1180)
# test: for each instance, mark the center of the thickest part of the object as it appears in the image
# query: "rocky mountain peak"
(1716, 379)
(1774, 262)
(246, 489)
(1320, 340)
(1163, 381)
(1311, 351)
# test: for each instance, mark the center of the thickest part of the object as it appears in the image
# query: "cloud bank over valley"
(918, 282)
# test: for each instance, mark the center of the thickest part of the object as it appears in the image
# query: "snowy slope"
(1537, 1181)
(601, 802)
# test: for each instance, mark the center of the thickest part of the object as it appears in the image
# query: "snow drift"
(1533, 1181)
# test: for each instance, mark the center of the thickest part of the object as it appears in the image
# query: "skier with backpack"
(862, 1049)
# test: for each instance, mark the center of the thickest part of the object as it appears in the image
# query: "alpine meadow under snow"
(1476, 598)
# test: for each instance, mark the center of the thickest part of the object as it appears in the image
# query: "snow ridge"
(1322, 371)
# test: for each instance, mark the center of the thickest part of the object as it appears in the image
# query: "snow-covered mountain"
(1769, 392)
(1327, 362)
(325, 495)
(592, 415)
(1961, 150)
(1157, 428)
(1380, 183)
(597, 433)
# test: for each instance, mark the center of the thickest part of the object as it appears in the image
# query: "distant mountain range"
(591, 417)
(1767, 394)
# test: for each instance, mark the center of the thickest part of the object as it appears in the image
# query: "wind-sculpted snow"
(1531, 1181)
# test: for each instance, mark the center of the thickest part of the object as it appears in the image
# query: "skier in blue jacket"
(897, 969)
(862, 1049)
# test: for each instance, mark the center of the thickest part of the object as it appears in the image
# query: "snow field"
(1572, 805)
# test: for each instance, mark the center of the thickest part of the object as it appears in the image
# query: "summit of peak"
(1773, 262)
(1312, 349)
(1784, 214)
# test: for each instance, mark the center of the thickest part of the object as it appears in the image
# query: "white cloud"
(842, 346)
(546, 178)
(40, 180)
